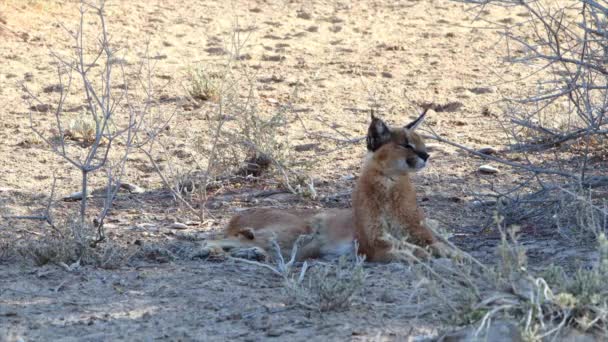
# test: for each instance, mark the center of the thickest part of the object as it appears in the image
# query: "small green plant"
(203, 85)
(81, 129)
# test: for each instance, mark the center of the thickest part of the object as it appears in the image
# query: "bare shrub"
(556, 126)
(243, 140)
(97, 136)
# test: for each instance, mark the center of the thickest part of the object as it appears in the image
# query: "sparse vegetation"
(543, 304)
(69, 252)
(328, 287)
(239, 142)
(322, 286)
(99, 138)
(203, 85)
(265, 106)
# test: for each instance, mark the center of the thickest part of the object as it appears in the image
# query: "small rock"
(387, 74)
(41, 107)
(244, 57)
(55, 88)
(28, 76)
(132, 188)
(178, 225)
(479, 204)
(335, 28)
(348, 177)
(216, 51)
(487, 150)
(387, 297)
(273, 58)
(75, 196)
(305, 147)
(274, 333)
(488, 169)
(304, 15)
(481, 90)
(145, 226)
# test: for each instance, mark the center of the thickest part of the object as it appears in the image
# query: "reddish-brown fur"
(384, 210)
(384, 205)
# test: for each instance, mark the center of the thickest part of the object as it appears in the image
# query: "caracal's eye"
(408, 146)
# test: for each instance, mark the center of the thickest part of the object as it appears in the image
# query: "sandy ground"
(344, 58)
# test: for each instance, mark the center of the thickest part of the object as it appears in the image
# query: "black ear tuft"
(412, 125)
(247, 233)
(378, 134)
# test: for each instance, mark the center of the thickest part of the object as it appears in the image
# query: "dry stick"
(167, 183)
(572, 86)
(282, 269)
(530, 168)
(211, 159)
(111, 191)
(46, 217)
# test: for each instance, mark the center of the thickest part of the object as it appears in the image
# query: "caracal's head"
(397, 150)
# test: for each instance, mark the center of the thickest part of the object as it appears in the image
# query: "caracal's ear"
(414, 124)
(378, 134)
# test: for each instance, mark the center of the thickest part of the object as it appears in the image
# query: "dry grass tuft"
(322, 287)
(66, 251)
(203, 85)
(581, 217)
(328, 287)
(544, 305)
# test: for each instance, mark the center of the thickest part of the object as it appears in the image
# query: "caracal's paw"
(209, 251)
(252, 253)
